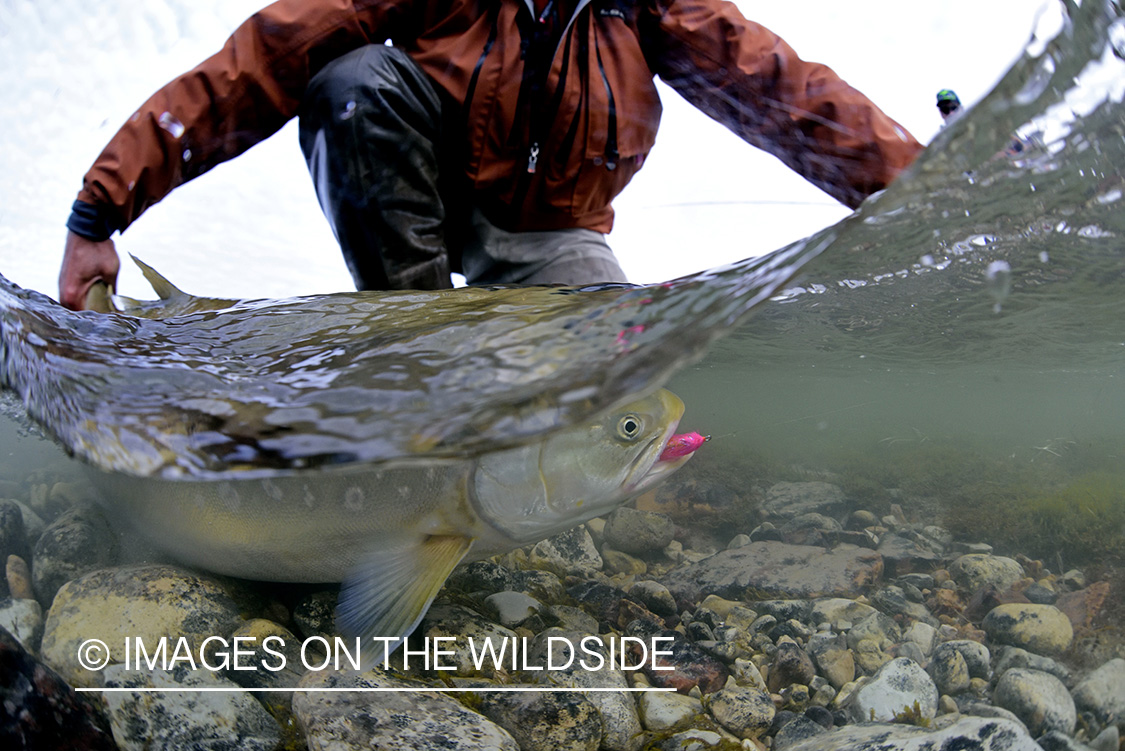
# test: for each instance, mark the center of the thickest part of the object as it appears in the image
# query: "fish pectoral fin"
(390, 591)
(163, 288)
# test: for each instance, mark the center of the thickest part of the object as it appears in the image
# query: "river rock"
(786, 500)
(801, 728)
(777, 569)
(572, 552)
(1014, 657)
(398, 720)
(978, 570)
(315, 614)
(23, 619)
(1039, 699)
(691, 666)
(145, 602)
(76, 543)
(976, 655)
(184, 721)
(656, 597)
(791, 665)
(922, 634)
(492, 577)
(510, 609)
(1103, 692)
(662, 711)
(949, 671)
(904, 555)
(620, 721)
(746, 712)
(464, 629)
(895, 688)
(839, 613)
(691, 740)
(836, 664)
(976, 733)
(13, 538)
(17, 576)
(1043, 629)
(638, 532)
(39, 711)
(546, 721)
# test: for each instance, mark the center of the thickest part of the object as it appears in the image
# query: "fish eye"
(629, 426)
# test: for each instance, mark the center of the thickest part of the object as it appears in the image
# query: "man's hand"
(85, 262)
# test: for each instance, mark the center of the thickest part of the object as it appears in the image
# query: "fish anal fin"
(390, 591)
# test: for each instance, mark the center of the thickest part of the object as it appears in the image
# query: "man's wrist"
(91, 222)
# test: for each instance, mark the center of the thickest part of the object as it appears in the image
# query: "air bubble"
(998, 278)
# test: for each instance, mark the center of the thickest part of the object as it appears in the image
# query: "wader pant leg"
(370, 125)
(566, 256)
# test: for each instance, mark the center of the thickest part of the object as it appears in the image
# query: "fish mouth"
(674, 450)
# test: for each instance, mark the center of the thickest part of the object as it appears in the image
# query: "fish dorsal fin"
(390, 591)
(164, 289)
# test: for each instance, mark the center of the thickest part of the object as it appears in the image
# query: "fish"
(390, 531)
(393, 535)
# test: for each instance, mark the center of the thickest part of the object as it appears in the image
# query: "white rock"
(662, 710)
(895, 688)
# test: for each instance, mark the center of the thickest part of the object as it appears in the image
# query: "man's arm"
(749, 79)
(231, 101)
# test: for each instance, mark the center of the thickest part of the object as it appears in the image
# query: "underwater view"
(867, 491)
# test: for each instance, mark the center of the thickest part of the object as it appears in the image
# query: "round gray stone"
(1039, 699)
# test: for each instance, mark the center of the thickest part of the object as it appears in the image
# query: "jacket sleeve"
(231, 101)
(749, 79)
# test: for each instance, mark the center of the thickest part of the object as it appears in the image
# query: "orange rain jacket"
(591, 127)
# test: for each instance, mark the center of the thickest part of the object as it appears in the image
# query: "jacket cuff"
(90, 221)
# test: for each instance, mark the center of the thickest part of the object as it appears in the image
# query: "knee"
(374, 78)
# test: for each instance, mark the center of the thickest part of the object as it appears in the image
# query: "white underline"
(339, 689)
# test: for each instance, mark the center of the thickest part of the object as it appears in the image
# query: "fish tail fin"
(164, 289)
(390, 591)
(99, 298)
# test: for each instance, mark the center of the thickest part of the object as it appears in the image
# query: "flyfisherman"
(490, 138)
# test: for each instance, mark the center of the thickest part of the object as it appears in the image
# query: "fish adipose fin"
(390, 591)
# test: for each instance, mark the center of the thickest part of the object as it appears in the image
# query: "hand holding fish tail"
(85, 263)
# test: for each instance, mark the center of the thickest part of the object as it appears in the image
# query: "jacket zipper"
(495, 13)
(611, 154)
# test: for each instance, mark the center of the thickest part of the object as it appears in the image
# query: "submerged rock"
(899, 687)
(979, 570)
(1103, 692)
(777, 569)
(638, 532)
(23, 619)
(1039, 699)
(184, 721)
(139, 602)
(39, 711)
(1043, 629)
(399, 720)
(976, 733)
(789, 499)
(746, 712)
(78, 542)
(546, 721)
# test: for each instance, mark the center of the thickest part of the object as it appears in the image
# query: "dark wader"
(371, 130)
